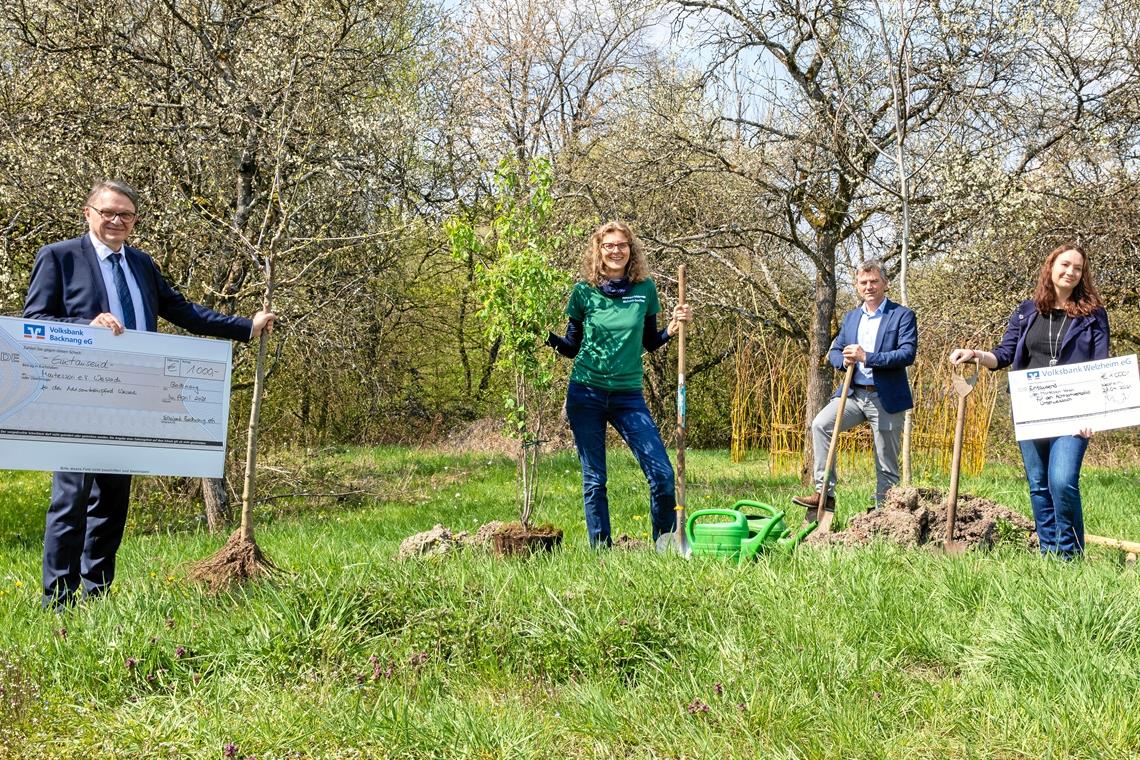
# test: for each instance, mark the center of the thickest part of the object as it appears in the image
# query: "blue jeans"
(1053, 468)
(588, 410)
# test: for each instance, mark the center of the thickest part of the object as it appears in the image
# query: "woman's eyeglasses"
(611, 247)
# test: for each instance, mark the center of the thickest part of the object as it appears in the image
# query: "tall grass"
(872, 653)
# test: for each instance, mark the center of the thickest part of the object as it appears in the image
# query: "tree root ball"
(240, 560)
(517, 539)
(917, 516)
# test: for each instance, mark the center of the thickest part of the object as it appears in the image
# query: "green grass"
(872, 653)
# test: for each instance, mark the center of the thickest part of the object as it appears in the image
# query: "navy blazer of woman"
(1084, 341)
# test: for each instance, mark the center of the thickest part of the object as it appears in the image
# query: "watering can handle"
(707, 512)
(769, 510)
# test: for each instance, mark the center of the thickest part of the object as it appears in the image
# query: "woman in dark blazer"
(1064, 323)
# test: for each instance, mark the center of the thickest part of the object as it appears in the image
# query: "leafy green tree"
(519, 290)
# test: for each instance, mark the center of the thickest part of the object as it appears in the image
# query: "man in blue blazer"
(881, 339)
(97, 279)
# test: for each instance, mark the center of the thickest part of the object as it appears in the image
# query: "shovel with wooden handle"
(964, 386)
(677, 541)
(824, 516)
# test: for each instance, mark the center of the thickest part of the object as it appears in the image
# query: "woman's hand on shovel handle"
(681, 313)
(963, 355)
(959, 355)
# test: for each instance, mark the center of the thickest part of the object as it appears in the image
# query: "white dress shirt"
(869, 322)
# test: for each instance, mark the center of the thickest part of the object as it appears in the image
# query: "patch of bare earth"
(487, 436)
(917, 516)
(629, 542)
(483, 436)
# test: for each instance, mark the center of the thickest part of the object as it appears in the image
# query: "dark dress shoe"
(812, 502)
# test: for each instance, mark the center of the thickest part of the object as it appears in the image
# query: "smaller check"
(77, 398)
(1055, 401)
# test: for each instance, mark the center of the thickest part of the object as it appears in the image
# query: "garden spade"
(963, 386)
(823, 516)
(676, 541)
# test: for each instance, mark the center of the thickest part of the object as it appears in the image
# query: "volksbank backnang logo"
(35, 332)
(1032, 375)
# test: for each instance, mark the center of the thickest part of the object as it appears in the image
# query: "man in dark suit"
(97, 279)
(881, 339)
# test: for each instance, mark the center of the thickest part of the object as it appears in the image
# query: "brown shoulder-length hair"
(1084, 300)
(637, 269)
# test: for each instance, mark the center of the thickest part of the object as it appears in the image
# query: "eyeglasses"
(611, 247)
(126, 217)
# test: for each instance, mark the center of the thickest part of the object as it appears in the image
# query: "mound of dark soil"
(917, 516)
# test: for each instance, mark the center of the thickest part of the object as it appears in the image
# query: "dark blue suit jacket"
(1084, 341)
(895, 349)
(67, 286)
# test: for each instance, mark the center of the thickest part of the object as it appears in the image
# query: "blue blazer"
(895, 349)
(67, 286)
(1084, 341)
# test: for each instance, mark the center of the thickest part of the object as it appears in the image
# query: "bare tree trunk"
(217, 497)
(249, 486)
(820, 380)
(241, 559)
(900, 100)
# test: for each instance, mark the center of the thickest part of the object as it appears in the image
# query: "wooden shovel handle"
(681, 391)
(1114, 543)
(829, 465)
(955, 468)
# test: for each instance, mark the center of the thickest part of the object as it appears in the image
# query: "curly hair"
(1084, 299)
(637, 269)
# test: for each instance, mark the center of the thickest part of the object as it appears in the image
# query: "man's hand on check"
(107, 319)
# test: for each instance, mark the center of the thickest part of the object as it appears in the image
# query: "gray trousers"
(887, 428)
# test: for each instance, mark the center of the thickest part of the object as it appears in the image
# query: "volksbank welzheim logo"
(1032, 375)
(35, 332)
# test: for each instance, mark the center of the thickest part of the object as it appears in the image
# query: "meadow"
(877, 652)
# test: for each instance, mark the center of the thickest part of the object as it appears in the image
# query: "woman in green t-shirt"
(613, 317)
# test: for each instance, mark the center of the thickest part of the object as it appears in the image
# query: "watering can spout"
(762, 530)
(791, 542)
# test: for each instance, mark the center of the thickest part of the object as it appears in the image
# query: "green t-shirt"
(612, 329)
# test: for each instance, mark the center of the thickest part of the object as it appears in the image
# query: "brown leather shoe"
(812, 502)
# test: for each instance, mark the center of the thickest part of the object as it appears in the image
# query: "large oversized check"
(75, 397)
(1054, 401)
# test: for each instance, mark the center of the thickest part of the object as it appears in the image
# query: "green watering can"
(742, 536)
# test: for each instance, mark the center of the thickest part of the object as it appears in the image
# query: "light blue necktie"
(124, 292)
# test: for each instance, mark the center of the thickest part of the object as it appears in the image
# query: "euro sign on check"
(78, 398)
(1054, 401)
